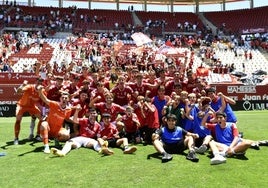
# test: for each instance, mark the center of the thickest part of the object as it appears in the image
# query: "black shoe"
(255, 146)
(202, 149)
(263, 143)
(240, 154)
(166, 157)
(192, 156)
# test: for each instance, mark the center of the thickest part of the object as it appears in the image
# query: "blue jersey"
(215, 105)
(159, 104)
(189, 124)
(226, 135)
(172, 136)
(195, 126)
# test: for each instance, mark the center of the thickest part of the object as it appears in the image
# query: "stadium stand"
(235, 21)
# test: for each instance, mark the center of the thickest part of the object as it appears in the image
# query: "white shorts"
(84, 141)
(223, 147)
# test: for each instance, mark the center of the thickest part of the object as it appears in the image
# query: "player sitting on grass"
(227, 141)
(172, 139)
(87, 130)
(110, 133)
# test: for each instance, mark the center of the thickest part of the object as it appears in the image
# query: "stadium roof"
(165, 2)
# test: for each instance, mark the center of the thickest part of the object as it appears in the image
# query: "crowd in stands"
(83, 20)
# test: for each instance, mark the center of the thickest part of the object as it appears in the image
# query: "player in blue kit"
(226, 140)
(172, 139)
(218, 105)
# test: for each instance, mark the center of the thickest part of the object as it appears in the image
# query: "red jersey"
(189, 85)
(151, 118)
(82, 78)
(84, 106)
(54, 93)
(130, 125)
(110, 131)
(170, 86)
(141, 89)
(70, 88)
(89, 130)
(140, 115)
(114, 110)
(95, 93)
(121, 96)
(153, 90)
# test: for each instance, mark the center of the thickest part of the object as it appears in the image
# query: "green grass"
(25, 165)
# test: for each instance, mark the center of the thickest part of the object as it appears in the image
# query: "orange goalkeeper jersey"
(30, 96)
(56, 117)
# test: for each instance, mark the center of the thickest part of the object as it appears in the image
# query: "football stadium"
(133, 93)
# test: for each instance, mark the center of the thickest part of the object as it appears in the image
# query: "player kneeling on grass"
(110, 134)
(58, 112)
(172, 139)
(86, 130)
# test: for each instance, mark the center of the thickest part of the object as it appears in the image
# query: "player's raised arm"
(42, 95)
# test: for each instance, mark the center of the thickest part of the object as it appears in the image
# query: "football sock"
(17, 129)
(32, 125)
(44, 134)
(66, 148)
(38, 128)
